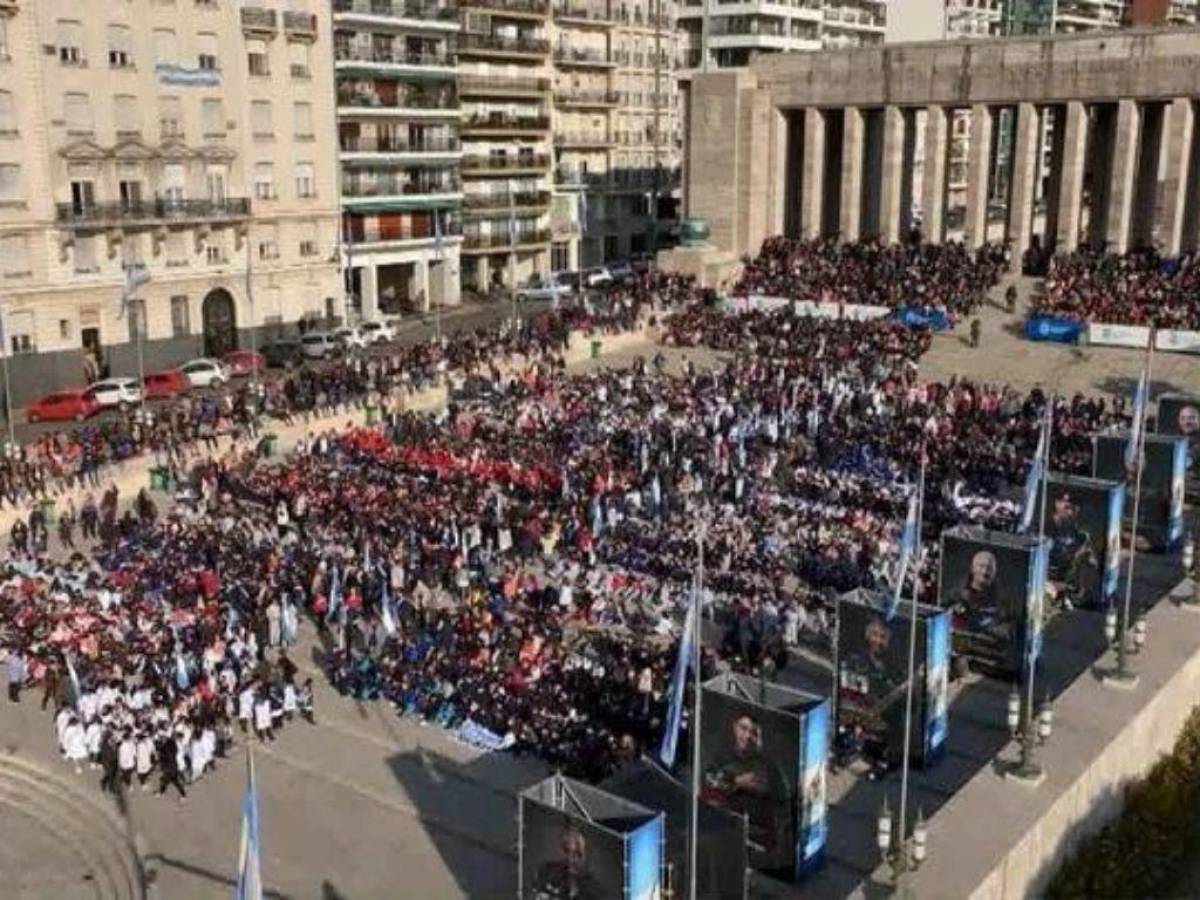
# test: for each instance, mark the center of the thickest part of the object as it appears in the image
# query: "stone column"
(1070, 178)
(370, 292)
(908, 168)
(892, 177)
(778, 180)
(1179, 128)
(978, 170)
(933, 188)
(1024, 182)
(421, 284)
(1124, 162)
(852, 172)
(812, 186)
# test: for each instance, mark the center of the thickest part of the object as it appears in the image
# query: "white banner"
(1178, 341)
(1118, 335)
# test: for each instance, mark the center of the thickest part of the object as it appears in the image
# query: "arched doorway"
(220, 323)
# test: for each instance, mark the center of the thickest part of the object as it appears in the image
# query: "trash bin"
(596, 345)
(160, 478)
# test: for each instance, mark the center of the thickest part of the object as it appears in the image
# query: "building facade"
(175, 137)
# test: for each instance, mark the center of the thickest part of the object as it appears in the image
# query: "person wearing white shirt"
(127, 758)
(74, 745)
(263, 723)
(245, 707)
(145, 759)
(94, 738)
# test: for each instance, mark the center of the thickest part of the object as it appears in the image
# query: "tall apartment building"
(1071, 16)
(398, 135)
(181, 135)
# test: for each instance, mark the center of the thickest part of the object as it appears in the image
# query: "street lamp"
(1030, 731)
(902, 855)
(1110, 626)
(1139, 632)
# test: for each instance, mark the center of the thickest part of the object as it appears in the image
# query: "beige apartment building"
(186, 138)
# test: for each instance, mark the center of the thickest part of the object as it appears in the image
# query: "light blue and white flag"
(385, 602)
(249, 883)
(1139, 415)
(908, 543)
(670, 739)
(73, 676)
(136, 274)
(1037, 471)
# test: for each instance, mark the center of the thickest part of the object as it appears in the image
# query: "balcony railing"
(500, 241)
(567, 177)
(400, 188)
(351, 144)
(258, 20)
(530, 7)
(501, 84)
(505, 200)
(481, 163)
(494, 42)
(582, 139)
(425, 232)
(397, 56)
(300, 25)
(502, 122)
(599, 14)
(400, 101)
(587, 98)
(153, 210)
(582, 56)
(399, 9)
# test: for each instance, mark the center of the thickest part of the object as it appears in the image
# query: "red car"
(63, 406)
(241, 363)
(166, 383)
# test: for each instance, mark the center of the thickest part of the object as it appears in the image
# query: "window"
(120, 47)
(8, 114)
(213, 254)
(10, 183)
(303, 119)
(14, 261)
(77, 110)
(70, 43)
(64, 329)
(306, 187)
(166, 50)
(260, 120)
(170, 116)
(174, 182)
(268, 242)
(87, 256)
(20, 332)
(83, 195)
(181, 321)
(177, 250)
(3, 38)
(308, 239)
(207, 58)
(264, 181)
(256, 55)
(131, 198)
(125, 112)
(213, 116)
(298, 60)
(215, 178)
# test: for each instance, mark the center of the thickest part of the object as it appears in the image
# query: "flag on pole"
(908, 542)
(670, 739)
(249, 883)
(385, 602)
(335, 590)
(1139, 414)
(73, 676)
(1037, 472)
(136, 274)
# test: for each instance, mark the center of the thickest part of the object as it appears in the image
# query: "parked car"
(167, 383)
(377, 331)
(620, 270)
(597, 276)
(350, 338)
(281, 354)
(241, 363)
(544, 291)
(63, 406)
(319, 345)
(116, 392)
(205, 373)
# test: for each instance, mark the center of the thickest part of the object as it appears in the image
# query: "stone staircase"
(63, 840)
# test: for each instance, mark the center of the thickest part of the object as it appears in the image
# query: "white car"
(597, 276)
(377, 332)
(319, 345)
(120, 393)
(552, 292)
(350, 338)
(205, 373)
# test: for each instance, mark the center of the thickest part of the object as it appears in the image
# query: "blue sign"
(644, 850)
(917, 317)
(1179, 466)
(937, 684)
(169, 74)
(813, 829)
(1112, 552)
(1049, 328)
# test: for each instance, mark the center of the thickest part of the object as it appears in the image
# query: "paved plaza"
(365, 804)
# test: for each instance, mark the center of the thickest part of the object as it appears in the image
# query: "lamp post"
(1031, 730)
(902, 855)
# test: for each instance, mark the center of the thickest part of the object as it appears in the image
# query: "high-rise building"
(398, 115)
(174, 138)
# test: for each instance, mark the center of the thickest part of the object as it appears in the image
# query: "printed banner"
(1048, 328)
(916, 317)
(937, 684)
(1118, 335)
(813, 828)
(1178, 341)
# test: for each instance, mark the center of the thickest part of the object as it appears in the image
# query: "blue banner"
(666, 752)
(916, 317)
(937, 684)
(1048, 328)
(169, 74)
(812, 829)
(1112, 553)
(1178, 473)
(1039, 563)
(644, 858)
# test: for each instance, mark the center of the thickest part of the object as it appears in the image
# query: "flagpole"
(696, 659)
(1123, 676)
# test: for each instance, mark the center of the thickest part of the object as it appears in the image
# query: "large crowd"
(1139, 288)
(514, 567)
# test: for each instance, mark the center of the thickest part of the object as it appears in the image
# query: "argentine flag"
(249, 883)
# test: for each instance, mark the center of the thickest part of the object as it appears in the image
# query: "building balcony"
(501, 86)
(435, 145)
(584, 15)
(300, 26)
(414, 104)
(584, 57)
(365, 233)
(373, 60)
(260, 22)
(587, 99)
(640, 60)
(498, 243)
(483, 165)
(496, 45)
(499, 124)
(509, 9)
(576, 179)
(637, 19)
(584, 139)
(443, 15)
(151, 212)
(506, 201)
(399, 187)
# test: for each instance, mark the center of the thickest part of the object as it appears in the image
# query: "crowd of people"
(946, 278)
(515, 566)
(1140, 288)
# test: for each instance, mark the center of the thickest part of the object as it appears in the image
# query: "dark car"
(281, 354)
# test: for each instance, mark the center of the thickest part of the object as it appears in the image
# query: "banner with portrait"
(1179, 414)
(993, 585)
(1164, 470)
(1083, 525)
(814, 774)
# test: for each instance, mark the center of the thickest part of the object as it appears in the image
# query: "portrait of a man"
(567, 878)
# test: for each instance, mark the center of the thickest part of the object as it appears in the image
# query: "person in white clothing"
(145, 759)
(127, 758)
(94, 738)
(74, 745)
(264, 726)
(245, 707)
